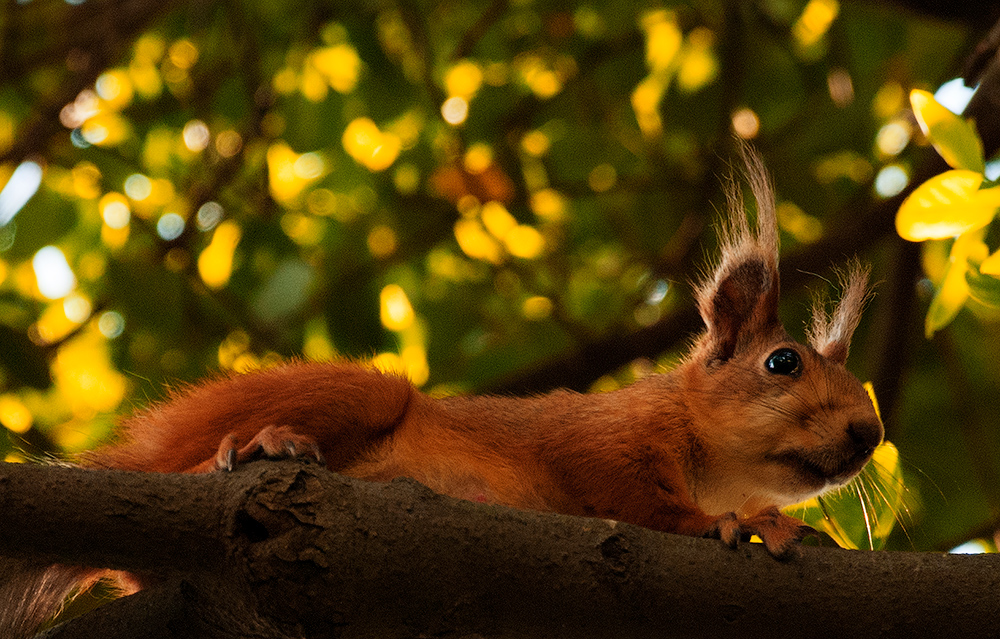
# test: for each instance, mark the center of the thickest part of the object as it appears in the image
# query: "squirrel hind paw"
(272, 442)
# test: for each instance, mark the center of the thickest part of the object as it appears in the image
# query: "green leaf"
(45, 219)
(991, 265)
(953, 137)
(983, 288)
(285, 292)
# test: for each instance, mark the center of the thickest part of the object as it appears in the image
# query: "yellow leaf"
(524, 241)
(83, 373)
(888, 478)
(663, 39)
(369, 146)
(414, 360)
(945, 206)
(953, 137)
(476, 242)
(106, 129)
(537, 308)
(285, 185)
(815, 21)
(645, 102)
(870, 389)
(115, 88)
(14, 415)
(317, 345)
(886, 456)
(549, 204)
(497, 220)
(215, 264)
(464, 79)
(699, 65)
(954, 290)
(339, 64)
(987, 197)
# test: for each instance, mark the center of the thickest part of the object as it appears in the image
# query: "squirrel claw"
(225, 458)
(316, 454)
(272, 442)
(727, 528)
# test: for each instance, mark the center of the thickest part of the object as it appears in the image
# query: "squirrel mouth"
(822, 468)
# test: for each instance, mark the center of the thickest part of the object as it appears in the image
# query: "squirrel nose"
(865, 434)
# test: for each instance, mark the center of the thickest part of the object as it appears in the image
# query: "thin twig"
(478, 29)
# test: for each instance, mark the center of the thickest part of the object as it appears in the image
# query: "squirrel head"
(779, 421)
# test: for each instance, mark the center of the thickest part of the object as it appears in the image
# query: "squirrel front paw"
(779, 532)
(727, 528)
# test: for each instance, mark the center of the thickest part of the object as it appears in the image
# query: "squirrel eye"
(784, 361)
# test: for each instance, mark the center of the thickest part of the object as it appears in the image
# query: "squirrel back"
(749, 422)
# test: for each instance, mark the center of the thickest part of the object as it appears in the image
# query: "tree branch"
(972, 12)
(474, 34)
(315, 554)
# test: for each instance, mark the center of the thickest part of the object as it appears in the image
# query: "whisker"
(898, 508)
(863, 500)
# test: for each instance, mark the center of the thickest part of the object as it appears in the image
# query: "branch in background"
(475, 33)
(870, 223)
(971, 12)
(896, 329)
(98, 34)
(416, 23)
(580, 369)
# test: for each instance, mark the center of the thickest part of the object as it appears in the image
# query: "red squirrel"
(749, 422)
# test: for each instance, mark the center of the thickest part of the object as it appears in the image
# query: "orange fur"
(751, 421)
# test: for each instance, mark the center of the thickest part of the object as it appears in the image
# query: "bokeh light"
(170, 226)
(21, 186)
(891, 180)
(196, 136)
(53, 275)
(455, 110)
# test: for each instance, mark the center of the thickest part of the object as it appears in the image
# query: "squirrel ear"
(741, 306)
(739, 300)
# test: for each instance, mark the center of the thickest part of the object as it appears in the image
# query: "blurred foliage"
(954, 206)
(464, 191)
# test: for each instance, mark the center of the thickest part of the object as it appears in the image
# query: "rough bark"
(290, 550)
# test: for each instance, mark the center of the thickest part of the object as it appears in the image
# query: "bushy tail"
(31, 594)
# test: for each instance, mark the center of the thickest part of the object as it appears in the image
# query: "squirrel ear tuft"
(830, 334)
(739, 299)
